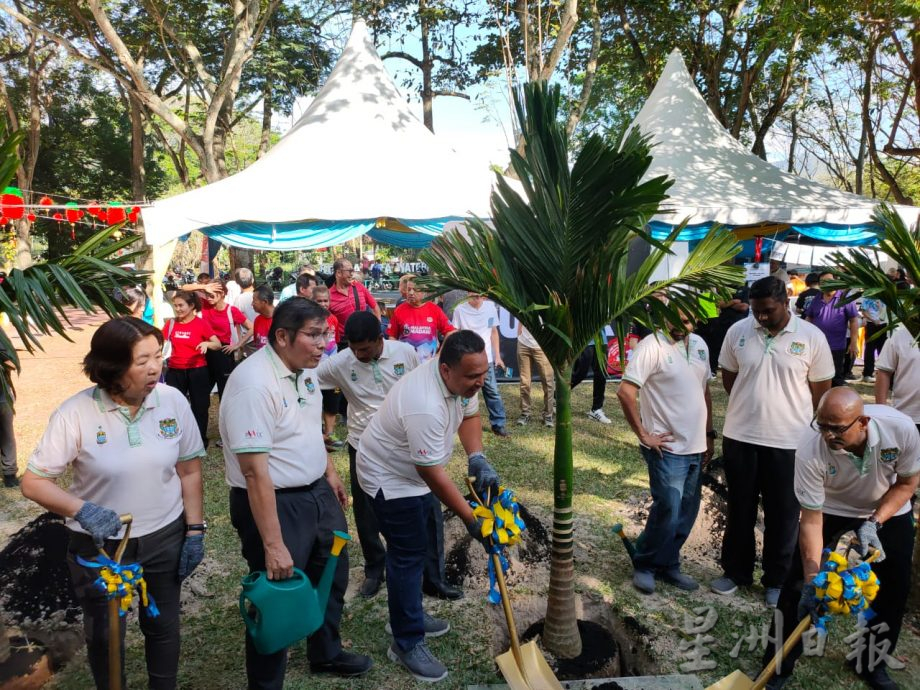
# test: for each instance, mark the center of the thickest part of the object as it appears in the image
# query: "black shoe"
(371, 586)
(10, 481)
(776, 682)
(500, 431)
(878, 679)
(443, 591)
(346, 664)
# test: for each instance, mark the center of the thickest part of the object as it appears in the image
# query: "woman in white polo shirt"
(134, 447)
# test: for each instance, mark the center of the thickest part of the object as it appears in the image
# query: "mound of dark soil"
(34, 579)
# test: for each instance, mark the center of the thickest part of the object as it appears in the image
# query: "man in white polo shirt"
(286, 497)
(675, 434)
(401, 461)
(775, 368)
(899, 363)
(856, 469)
(365, 371)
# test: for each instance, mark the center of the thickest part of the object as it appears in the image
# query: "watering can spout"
(339, 539)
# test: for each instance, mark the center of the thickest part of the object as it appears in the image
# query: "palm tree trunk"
(560, 632)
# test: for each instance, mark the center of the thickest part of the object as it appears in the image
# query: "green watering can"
(278, 613)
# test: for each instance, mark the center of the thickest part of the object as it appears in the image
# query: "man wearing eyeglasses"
(775, 368)
(856, 469)
(346, 296)
(286, 498)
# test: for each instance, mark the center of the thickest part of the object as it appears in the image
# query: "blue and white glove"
(101, 523)
(192, 555)
(868, 539)
(485, 477)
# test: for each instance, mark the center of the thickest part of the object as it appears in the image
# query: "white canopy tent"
(717, 180)
(356, 157)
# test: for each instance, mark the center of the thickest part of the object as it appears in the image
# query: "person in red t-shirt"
(419, 323)
(263, 303)
(191, 337)
(346, 296)
(332, 397)
(226, 322)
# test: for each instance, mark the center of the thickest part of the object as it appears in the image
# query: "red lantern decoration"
(132, 216)
(93, 209)
(45, 201)
(102, 216)
(58, 217)
(12, 203)
(72, 212)
(116, 215)
(4, 220)
(135, 210)
(30, 217)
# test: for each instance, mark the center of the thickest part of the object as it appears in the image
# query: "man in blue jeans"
(400, 464)
(674, 427)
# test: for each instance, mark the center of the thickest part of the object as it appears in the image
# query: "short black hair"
(132, 296)
(303, 281)
(292, 314)
(264, 293)
(458, 344)
(812, 278)
(340, 263)
(362, 327)
(111, 351)
(769, 286)
(190, 297)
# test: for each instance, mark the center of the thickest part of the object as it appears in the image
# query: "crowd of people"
(795, 438)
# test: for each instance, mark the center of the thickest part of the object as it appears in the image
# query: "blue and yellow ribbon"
(122, 581)
(502, 522)
(843, 591)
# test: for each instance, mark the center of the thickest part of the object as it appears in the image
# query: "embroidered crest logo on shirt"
(831, 469)
(670, 359)
(796, 348)
(354, 375)
(406, 329)
(464, 402)
(741, 342)
(311, 387)
(889, 455)
(702, 354)
(399, 368)
(169, 428)
(101, 437)
(429, 320)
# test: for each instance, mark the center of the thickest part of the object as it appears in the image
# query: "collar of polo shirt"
(791, 326)
(437, 374)
(279, 366)
(874, 438)
(107, 404)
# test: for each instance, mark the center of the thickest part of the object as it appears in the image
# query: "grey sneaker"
(644, 581)
(434, 627)
(771, 597)
(420, 662)
(679, 580)
(868, 379)
(523, 420)
(599, 416)
(549, 421)
(724, 586)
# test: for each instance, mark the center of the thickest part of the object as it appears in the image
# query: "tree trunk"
(266, 138)
(560, 632)
(138, 173)
(578, 111)
(427, 91)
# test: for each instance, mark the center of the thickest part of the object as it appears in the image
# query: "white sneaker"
(599, 416)
(868, 379)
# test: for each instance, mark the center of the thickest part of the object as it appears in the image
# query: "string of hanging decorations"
(13, 207)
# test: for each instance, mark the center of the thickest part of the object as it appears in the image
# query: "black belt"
(290, 489)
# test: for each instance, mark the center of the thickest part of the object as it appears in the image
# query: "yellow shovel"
(114, 618)
(523, 667)
(736, 680)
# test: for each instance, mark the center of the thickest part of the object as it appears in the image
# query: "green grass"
(608, 470)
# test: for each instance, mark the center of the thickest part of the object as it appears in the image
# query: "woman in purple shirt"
(835, 320)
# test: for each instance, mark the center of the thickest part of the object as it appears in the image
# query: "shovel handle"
(790, 642)
(506, 602)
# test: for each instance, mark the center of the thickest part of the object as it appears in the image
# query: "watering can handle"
(244, 612)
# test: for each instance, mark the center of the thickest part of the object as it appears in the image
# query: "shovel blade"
(533, 674)
(735, 681)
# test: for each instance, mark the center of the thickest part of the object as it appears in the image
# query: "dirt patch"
(598, 656)
(466, 562)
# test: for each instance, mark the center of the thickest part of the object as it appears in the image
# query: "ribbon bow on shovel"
(524, 667)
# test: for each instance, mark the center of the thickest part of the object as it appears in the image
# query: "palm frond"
(557, 257)
(860, 275)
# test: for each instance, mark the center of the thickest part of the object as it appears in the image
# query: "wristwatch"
(875, 521)
(200, 527)
(712, 433)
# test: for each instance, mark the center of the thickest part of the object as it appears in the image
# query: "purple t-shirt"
(831, 319)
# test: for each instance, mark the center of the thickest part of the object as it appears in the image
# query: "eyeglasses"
(837, 431)
(347, 270)
(320, 337)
